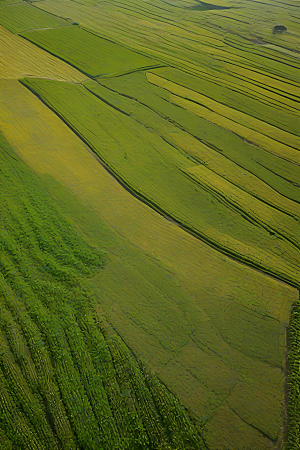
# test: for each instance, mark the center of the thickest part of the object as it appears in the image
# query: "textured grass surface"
(156, 174)
(185, 98)
(90, 54)
(66, 378)
(19, 58)
(23, 17)
(224, 119)
(176, 301)
(280, 174)
(270, 114)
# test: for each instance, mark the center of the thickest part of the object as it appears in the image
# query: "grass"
(248, 156)
(197, 105)
(23, 17)
(92, 55)
(213, 131)
(163, 290)
(273, 115)
(62, 377)
(157, 176)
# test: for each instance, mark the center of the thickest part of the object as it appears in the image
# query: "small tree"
(279, 29)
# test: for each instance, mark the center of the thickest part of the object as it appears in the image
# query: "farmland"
(61, 362)
(93, 55)
(149, 217)
(23, 17)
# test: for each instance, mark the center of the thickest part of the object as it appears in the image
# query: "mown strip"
(192, 147)
(262, 136)
(269, 168)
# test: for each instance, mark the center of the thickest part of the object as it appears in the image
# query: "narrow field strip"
(120, 26)
(279, 119)
(261, 128)
(23, 16)
(277, 221)
(283, 176)
(92, 55)
(201, 153)
(263, 142)
(19, 58)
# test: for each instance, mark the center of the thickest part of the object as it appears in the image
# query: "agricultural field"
(92, 55)
(23, 17)
(150, 225)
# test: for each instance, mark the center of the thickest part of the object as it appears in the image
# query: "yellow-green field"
(150, 225)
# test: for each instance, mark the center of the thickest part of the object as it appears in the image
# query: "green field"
(23, 17)
(158, 174)
(62, 364)
(92, 55)
(149, 225)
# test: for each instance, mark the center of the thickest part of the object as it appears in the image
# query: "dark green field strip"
(266, 53)
(279, 222)
(172, 45)
(273, 115)
(22, 17)
(294, 379)
(245, 154)
(156, 176)
(61, 381)
(92, 55)
(257, 58)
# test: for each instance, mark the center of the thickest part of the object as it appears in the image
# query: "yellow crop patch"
(230, 113)
(232, 172)
(19, 58)
(262, 141)
(264, 214)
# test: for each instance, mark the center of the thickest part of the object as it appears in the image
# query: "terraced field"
(149, 211)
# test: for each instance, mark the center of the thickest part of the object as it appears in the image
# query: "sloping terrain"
(149, 225)
(66, 377)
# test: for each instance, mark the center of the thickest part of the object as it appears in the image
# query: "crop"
(23, 17)
(60, 375)
(149, 187)
(92, 55)
(156, 175)
(20, 57)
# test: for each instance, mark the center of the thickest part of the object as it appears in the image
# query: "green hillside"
(149, 225)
